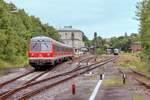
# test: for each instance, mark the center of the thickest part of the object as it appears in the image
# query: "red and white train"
(45, 52)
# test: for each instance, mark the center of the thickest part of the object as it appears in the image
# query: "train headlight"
(40, 55)
(48, 54)
(32, 54)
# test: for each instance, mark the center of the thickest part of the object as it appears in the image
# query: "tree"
(16, 28)
(86, 41)
(143, 15)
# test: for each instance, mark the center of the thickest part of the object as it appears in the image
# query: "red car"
(45, 52)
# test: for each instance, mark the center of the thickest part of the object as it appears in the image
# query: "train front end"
(40, 52)
(116, 51)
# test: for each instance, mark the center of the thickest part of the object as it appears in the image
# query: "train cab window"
(45, 46)
(35, 46)
(40, 46)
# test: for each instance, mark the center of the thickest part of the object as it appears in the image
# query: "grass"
(19, 62)
(4, 64)
(138, 97)
(112, 82)
(128, 60)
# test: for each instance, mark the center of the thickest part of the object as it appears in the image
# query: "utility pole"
(95, 44)
(72, 38)
(95, 35)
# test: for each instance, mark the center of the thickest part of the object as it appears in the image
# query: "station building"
(72, 37)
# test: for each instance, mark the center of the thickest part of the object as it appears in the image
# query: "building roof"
(68, 29)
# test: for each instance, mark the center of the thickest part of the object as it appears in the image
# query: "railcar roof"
(40, 38)
(48, 39)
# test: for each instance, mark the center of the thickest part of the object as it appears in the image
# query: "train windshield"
(40, 46)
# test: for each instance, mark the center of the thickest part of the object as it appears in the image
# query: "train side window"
(60, 48)
(65, 49)
(56, 48)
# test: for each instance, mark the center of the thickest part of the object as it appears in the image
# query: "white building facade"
(72, 37)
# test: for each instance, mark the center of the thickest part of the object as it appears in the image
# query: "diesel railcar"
(116, 51)
(45, 52)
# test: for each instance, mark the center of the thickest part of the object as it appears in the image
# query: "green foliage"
(86, 41)
(16, 28)
(123, 42)
(127, 60)
(98, 42)
(101, 50)
(143, 15)
(3, 64)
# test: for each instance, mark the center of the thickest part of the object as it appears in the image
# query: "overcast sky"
(106, 17)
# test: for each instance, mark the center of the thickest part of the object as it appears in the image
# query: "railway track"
(16, 78)
(34, 78)
(141, 78)
(27, 82)
(30, 72)
(69, 75)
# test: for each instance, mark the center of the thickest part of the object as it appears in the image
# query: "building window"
(65, 36)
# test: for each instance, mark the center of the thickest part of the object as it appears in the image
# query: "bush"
(100, 51)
